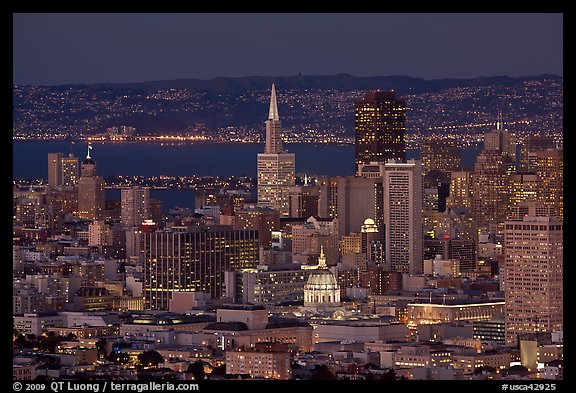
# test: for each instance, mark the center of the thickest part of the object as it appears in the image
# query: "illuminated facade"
(321, 289)
(262, 219)
(460, 189)
(453, 311)
(443, 155)
(533, 249)
(403, 216)
(380, 125)
(194, 259)
(492, 170)
(259, 364)
(135, 208)
(549, 167)
(276, 168)
(522, 187)
(62, 170)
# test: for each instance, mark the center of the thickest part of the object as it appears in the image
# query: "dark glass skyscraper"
(380, 125)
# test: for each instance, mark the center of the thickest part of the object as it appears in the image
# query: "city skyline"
(73, 48)
(420, 256)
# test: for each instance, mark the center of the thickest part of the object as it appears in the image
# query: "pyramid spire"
(322, 259)
(273, 114)
(88, 155)
(499, 122)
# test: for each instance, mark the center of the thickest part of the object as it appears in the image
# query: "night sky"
(50, 49)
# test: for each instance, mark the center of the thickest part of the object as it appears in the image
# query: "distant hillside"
(529, 104)
(343, 82)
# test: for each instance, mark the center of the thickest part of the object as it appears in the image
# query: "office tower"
(276, 168)
(501, 140)
(135, 205)
(460, 189)
(62, 170)
(489, 189)
(531, 145)
(262, 219)
(303, 201)
(380, 125)
(91, 197)
(440, 155)
(403, 216)
(549, 167)
(493, 167)
(352, 200)
(533, 251)
(194, 259)
(522, 187)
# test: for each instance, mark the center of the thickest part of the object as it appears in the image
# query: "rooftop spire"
(499, 122)
(322, 259)
(273, 114)
(89, 148)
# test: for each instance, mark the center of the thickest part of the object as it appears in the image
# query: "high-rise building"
(533, 248)
(303, 201)
(440, 155)
(135, 206)
(62, 170)
(315, 234)
(352, 200)
(403, 216)
(549, 167)
(522, 187)
(460, 189)
(532, 144)
(262, 219)
(380, 125)
(69, 171)
(194, 259)
(276, 167)
(91, 197)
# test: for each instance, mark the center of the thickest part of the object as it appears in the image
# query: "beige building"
(276, 168)
(259, 364)
(135, 206)
(533, 249)
(403, 216)
(91, 197)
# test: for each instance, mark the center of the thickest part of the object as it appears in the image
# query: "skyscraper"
(533, 249)
(549, 167)
(439, 155)
(194, 259)
(276, 168)
(492, 171)
(91, 197)
(380, 125)
(403, 216)
(135, 205)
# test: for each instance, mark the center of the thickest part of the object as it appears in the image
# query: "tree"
(119, 357)
(389, 375)
(101, 347)
(321, 372)
(197, 369)
(150, 358)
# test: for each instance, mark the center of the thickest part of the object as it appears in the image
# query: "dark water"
(30, 160)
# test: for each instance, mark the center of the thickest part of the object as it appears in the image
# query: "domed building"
(321, 289)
